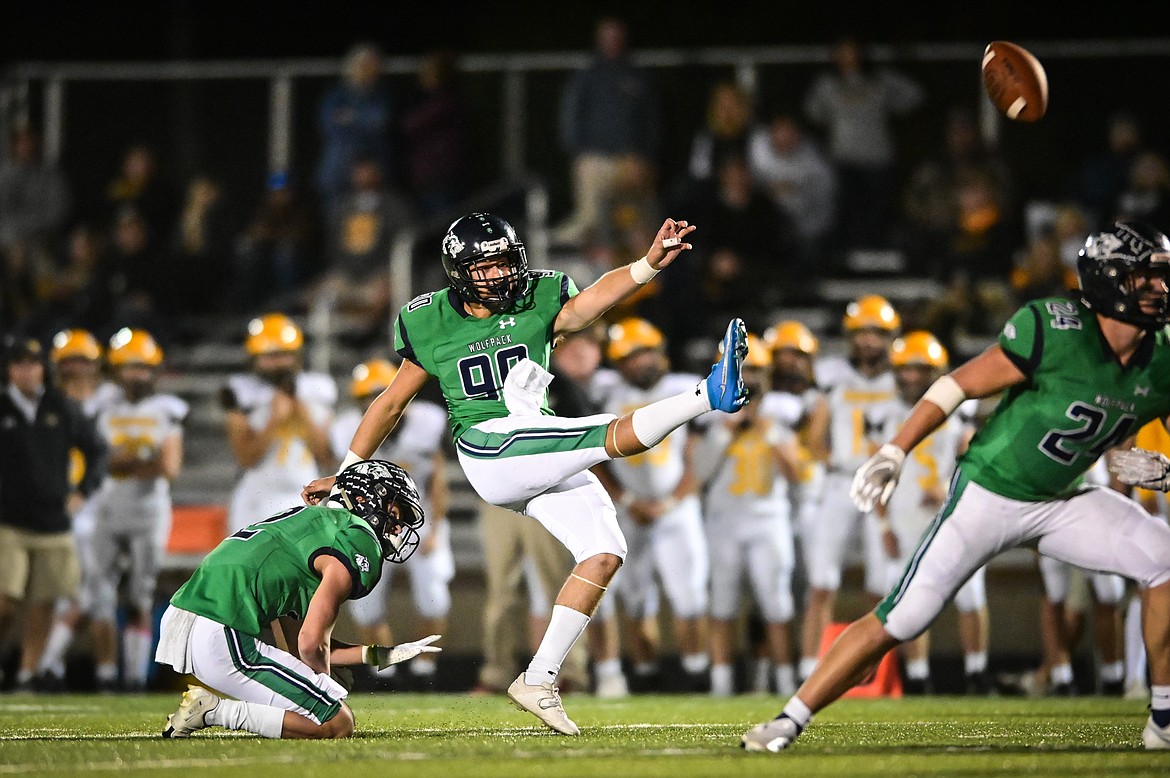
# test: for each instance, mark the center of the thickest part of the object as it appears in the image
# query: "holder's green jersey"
(1078, 401)
(266, 569)
(470, 356)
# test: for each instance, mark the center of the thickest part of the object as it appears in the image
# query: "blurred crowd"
(93, 293)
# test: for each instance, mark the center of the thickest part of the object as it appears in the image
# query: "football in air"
(1015, 81)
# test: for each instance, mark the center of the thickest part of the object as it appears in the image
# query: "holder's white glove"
(384, 656)
(874, 481)
(1140, 468)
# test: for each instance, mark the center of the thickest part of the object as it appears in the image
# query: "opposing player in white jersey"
(1061, 624)
(277, 419)
(144, 431)
(416, 446)
(918, 359)
(853, 385)
(77, 359)
(747, 462)
(657, 502)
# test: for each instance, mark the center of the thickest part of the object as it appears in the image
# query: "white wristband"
(350, 459)
(946, 394)
(641, 271)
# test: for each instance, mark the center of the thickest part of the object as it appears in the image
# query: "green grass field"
(458, 736)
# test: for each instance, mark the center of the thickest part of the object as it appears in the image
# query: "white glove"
(1141, 468)
(874, 481)
(384, 656)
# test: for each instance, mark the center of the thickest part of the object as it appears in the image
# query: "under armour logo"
(1141, 391)
(508, 322)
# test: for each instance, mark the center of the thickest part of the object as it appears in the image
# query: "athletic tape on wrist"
(641, 271)
(350, 459)
(946, 394)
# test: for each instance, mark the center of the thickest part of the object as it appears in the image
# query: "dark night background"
(220, 127)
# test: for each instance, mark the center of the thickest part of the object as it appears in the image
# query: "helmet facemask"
(1120, 271)
(384, 496)
(485, 263)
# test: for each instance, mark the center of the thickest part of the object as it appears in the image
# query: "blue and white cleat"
(725, 389)
(771, 737)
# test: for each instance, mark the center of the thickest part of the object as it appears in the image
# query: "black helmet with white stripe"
(485, 262)
(1107, 267)
(371, 490)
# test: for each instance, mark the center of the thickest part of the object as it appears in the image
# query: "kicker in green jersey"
(265, 570)
(1077, 402)
(471, 357)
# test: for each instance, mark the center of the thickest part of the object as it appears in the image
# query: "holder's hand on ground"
(874, 481)
(665, 249)
(384, 656)
(317, 490)
(1140, 468)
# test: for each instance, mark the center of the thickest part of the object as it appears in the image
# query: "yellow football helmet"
(75, 344)
(919, 348)
(793, 335)
(134, 347)
(273, 332)
(871, 311)
(371, 377)
(629, 335)
(759, 352)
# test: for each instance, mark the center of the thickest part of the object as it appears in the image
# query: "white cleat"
(192, 713)
(612, 687)
(1154, 737)
(544, 702)
(770, 737)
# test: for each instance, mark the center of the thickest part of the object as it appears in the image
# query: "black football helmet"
(482, 236)
(369, 489)
(1106, 267)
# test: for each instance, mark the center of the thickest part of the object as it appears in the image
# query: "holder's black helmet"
(1106, 266)
(370, 489)
(478, 237)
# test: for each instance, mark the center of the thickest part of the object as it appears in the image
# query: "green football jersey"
(266, 569)
(471, 357)
(1078, 401)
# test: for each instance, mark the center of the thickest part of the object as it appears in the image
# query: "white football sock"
(785, 679)
(652, 423)
(975, 663)
(918, 669)
(806, 667)
(695, 663)
(1112, 672)
(1061, 673)
(1135, 645)
(722, 681)
(564, 627)
(645, 668)
(106, 673)
(423, 665)
(52, 661)
(608, 668)
(136, 654)
(263, 720)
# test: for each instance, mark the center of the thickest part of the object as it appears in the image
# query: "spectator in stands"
(39, 427)
(726, 131)
(792, 168)
(277, 247)
(1041, 272)
(143, 429)
(1146, 196)
(35, 196)
(437, 138)
(202, 247)
(354, 119)
(1101, 177)
(143, 281)
(856, 105)
(139, 186)
(929, 200)
(610, 125)
(22, 277)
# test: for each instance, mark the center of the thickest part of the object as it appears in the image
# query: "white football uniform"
(672, 551)
(132, 516)
(82, 526)
(1108, 588)
(274, 483)
(922, 488)
(413, 445)
(827, 532)
(791, 411)
(746, 506)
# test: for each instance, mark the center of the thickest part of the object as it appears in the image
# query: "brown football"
(1015, 81)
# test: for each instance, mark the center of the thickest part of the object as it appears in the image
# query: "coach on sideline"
(39, 427)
